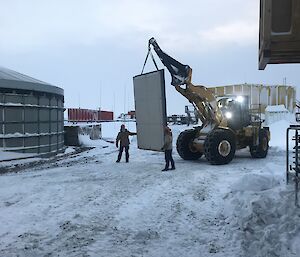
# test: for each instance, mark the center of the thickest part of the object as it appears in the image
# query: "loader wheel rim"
(191, 147)
(224, 148)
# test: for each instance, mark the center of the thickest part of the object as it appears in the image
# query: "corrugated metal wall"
(31, 123)
(76, 114)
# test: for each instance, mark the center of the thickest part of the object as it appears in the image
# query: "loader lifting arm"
(202, 99)
(181, 74)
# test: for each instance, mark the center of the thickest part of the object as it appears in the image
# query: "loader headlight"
(240, 99)
(228, 115)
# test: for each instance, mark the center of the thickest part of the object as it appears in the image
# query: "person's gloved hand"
(117, 145)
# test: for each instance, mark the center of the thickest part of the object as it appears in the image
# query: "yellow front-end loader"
(227, 123)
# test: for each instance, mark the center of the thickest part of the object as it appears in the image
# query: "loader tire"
(261, 150)
(184, 145)
(219, 146)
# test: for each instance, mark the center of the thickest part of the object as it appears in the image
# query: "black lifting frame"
(293, 168)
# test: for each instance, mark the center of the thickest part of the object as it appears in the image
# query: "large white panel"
(150, 107)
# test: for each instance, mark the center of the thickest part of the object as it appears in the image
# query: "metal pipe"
(287, 155)
(296, 167)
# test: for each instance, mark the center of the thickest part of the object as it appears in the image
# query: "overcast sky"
(93, 48)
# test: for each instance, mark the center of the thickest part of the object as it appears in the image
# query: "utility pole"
(114, 102)
(100, 101)
(124, 101)
(284, 81)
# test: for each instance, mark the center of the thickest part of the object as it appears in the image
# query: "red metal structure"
(131, 114)
(84, 115)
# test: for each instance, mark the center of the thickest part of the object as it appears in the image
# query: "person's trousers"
(169, 158)
(126, 152)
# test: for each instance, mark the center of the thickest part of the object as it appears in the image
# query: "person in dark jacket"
(123, 138)
(168, 146)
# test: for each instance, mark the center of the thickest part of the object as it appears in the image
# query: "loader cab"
(235, 109)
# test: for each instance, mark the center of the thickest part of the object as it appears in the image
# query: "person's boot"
(173, 168)
(165, 169)
(117, 160)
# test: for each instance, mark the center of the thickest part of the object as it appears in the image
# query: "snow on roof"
(8, 74)
(16, 80)
(276, 108)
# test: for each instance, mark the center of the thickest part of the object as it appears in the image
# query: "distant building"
(131, 114)
(127, 116)
(264, 95)
(177, 119)
(87, 115)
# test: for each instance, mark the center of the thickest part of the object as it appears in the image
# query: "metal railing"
(293, 167)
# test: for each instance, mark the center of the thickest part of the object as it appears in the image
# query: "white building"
(263, 95)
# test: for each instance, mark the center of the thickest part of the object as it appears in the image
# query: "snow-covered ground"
(85, 204)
